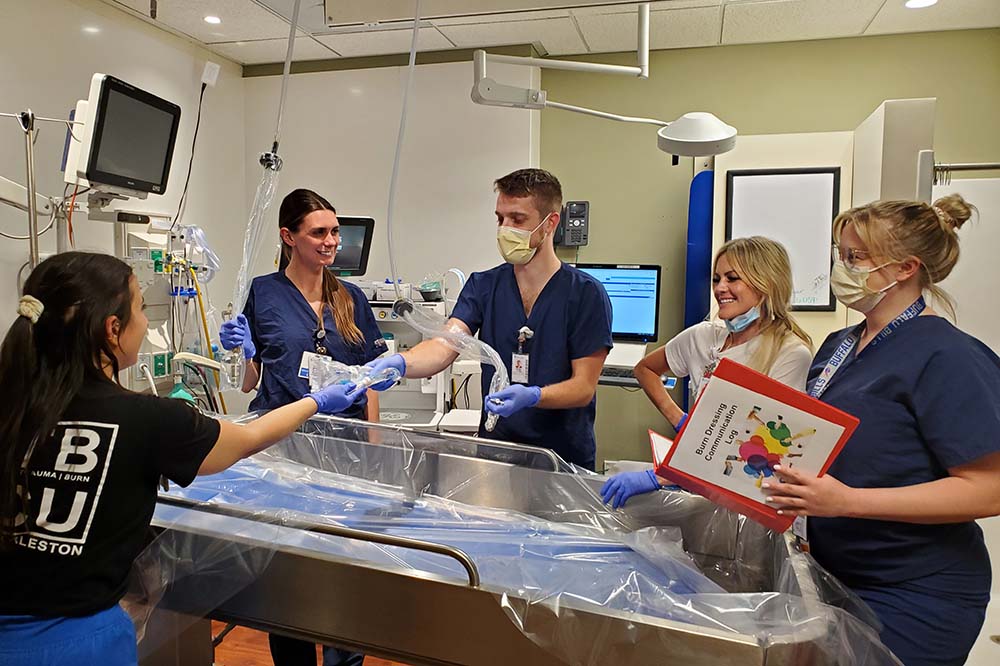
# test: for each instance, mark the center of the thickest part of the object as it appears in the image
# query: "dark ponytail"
(294, 208)
(44, 364)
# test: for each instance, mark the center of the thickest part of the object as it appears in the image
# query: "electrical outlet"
(144, 359)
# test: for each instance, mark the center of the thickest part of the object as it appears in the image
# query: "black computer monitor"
(355, 244)
(129, 136)
(634, 290)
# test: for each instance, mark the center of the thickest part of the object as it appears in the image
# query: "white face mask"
(515, 244)
(851, 287)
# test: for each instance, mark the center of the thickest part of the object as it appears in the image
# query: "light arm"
(16, 195)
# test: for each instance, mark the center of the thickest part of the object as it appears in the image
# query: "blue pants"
(106, 638)
(931, 621)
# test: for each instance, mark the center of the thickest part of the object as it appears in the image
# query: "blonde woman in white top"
(752, 285)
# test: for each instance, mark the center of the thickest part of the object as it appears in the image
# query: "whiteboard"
(795, 207)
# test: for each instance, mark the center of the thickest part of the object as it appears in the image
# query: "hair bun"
(953, 210)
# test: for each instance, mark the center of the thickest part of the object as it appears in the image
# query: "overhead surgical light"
(696, 134)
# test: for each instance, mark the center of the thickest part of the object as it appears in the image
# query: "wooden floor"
(246, 647)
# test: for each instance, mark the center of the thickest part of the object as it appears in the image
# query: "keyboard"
(613, 376)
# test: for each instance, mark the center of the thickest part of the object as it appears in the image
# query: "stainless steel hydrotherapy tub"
(441, 549)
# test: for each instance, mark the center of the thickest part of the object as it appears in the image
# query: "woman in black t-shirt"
(80, 458)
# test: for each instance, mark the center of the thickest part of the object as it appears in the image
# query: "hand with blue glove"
(618, 489)
(512, 399)
(395, 361)
(680, 424)
(335, 398)
(236, 333)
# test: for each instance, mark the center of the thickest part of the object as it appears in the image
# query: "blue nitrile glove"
(680, 424)
(618, 489)
(512, 399)
(236, 333)
(335, 398)
(394, 361)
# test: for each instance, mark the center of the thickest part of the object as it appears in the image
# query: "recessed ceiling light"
(215, 20)
(919, 4)
(91, 29)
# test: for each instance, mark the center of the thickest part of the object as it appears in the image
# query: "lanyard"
(844, 354)
(319, 335)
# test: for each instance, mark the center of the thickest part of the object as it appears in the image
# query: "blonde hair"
(763, 264)
(901, 230)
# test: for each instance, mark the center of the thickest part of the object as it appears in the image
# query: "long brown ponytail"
(294, 208)
(44, 363)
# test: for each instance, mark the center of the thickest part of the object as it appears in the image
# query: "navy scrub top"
(283, 324)
(928, 398)
(571, 319)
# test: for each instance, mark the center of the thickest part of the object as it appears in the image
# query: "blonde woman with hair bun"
(894, 517)
(752, 286)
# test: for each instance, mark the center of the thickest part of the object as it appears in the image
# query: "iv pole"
(26, 120)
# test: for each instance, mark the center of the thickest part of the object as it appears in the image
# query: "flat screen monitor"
(355, 245)
(129, 136)
(634, 290)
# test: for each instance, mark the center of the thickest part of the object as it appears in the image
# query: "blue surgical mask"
(740, 322)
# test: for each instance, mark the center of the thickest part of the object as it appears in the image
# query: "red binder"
(742, 425)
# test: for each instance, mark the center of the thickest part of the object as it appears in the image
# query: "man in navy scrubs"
(550, 323)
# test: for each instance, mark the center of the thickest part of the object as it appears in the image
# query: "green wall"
(639, 202)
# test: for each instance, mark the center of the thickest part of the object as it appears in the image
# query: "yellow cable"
(208, 340)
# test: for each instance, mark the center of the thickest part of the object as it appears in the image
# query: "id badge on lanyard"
(319, 339)
(519, 361)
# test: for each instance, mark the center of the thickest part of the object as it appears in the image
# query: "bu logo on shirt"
(65, 480)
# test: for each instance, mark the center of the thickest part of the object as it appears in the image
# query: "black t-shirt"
(92, 489)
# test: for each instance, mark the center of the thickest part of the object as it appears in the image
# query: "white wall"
(339, 137)
(974, 286)
(779, 151)
(46, 62)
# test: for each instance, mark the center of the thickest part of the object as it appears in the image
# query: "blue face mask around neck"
(740, 322)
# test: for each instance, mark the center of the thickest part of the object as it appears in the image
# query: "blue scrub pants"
(931, 621)
(106, 638)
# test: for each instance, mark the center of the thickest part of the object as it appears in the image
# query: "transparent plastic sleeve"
(233, 362)
(467, 346)
(324, 371)
(672, 578)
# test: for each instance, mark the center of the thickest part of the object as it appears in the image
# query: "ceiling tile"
(558, 36)
(272, 50)
(241, 19)
(790, 20)
(673, 29)
(633, 8)
(961, 15)
(382, 42)
(312, 15)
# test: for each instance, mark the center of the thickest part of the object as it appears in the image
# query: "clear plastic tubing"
(458, 340)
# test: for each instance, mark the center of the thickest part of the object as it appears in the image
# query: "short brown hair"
(537, 183)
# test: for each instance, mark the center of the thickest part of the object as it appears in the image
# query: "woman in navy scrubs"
(301, 310)
(894, 518)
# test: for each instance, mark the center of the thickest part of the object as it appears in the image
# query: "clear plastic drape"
(545, 546)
